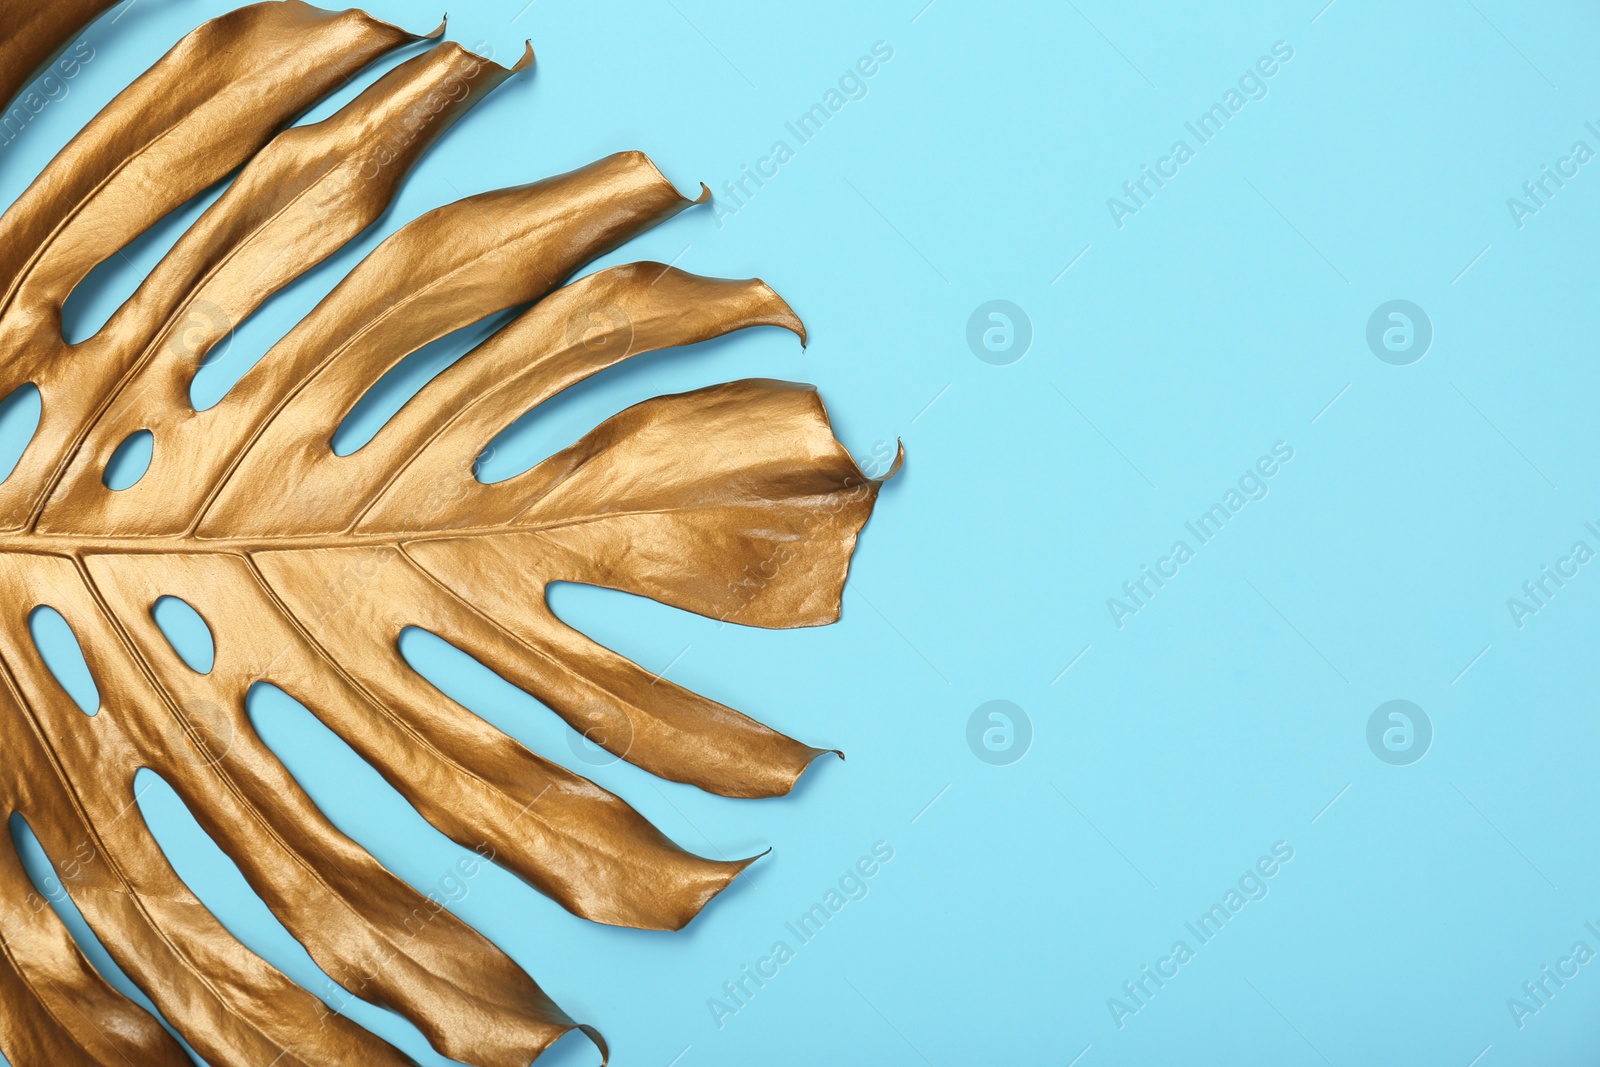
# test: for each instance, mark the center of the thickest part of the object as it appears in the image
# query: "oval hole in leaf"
(19, 419)
(131, 459)
(59, 647)
(186, 631)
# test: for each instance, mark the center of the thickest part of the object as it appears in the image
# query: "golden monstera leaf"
(734, 501)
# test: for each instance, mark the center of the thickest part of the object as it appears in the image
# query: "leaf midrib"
(75, 545)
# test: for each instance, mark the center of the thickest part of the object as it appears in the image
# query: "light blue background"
(1224, 317)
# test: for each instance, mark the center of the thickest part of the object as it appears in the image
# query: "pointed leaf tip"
(894, 468)
(783, 315)
(599, 1042)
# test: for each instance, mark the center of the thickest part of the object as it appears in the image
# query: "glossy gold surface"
(734, 501)
(33, 33)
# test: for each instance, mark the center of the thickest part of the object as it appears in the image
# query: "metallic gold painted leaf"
(54, 1007)
(217, 98)
(734, 501)
(34, 35)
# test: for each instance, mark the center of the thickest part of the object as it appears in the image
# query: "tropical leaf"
(734, 501)
(34, 35)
